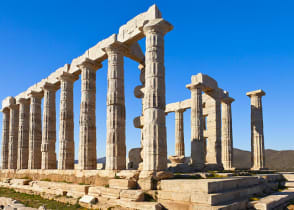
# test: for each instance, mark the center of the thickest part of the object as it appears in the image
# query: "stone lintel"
(256, 92)
(180, 106)
(159, 25)
(194, 86)
(89, 64)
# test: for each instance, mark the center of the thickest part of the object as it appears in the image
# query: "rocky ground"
(11, 204)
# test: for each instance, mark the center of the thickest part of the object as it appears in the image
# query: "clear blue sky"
(244, 45)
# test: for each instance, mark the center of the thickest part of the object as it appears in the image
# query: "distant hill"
(276, 160)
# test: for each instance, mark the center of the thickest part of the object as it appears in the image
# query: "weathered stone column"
(5, 138)
(87, 144)
(179, 133)
(116, 114)
(49, 127)
(23, 133)
(35, 135)
(227, 135)
(197, 140)
(154, 130)
(13, 136)
(257, 138)
(66, 127)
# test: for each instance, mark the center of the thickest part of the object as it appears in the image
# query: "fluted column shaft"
(116, 115)
(13, 136)
(35, 135)
(87, 144)
(23, 134)
(66, 129)
(5, 138)
(154, 130)
(227, 134)
(179, 133)
(257, 137)
(197, 140)
(49, 127)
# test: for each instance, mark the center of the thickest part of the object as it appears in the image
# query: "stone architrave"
(49, 127)
(13, 136)
(23, 133)
(227, 134)
(197, 140)
(257, 137)
(179, 133)
(87, 144)
(116, 114)
(35, 134)
(5, 138)
(66, 127)
(154, 130)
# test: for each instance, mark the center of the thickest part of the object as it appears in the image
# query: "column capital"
(157, 25)
(194, 86)
(35, 94)
(50, 87)
(23, 101)
(14, 106)
(65, 76)
(5, 110)
(115, 47)
(89, 64)
(258, 93)
(228, 100)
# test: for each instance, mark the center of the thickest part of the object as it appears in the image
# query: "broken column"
(257, 138)
(227, 136)
(197, 140)
(13, 136)
(35, 135)
(87, 144)
(154, 130)
(116, 114)
(23, 133)
(66, 127)
(49, 127)
(5, 138)
(179, 133)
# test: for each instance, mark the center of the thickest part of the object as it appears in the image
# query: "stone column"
(35, 135)
(257, 138)
(154, 130)
(197, 140)
(116, 114)
(5, 138)
(66, 127)
(179, 133)
(23, 133)
(13, 136)
(87, 144)
(227, 136)
(49, 127)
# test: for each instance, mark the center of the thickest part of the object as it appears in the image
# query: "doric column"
(257, 138)
(87, 144)
(13, 136)
(197, 140)
(154, 130)
(66, 127)
(23, 133)
(49, 127)
(35, 135)
(179, 133)
(5, 138)
(116, 114)
(227, 135)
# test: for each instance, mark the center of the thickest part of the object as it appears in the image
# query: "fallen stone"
(132, 195)
(88, 199)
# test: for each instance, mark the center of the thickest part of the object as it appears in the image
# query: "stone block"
(122, 184)
(110, 192)
(174, 196)
(88, 199)
(128, 174)
(132, 195)
(20, 181)
(146, 183)
(95, 191)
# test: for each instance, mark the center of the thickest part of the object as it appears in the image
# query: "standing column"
(154, 130)
(66, 127)
(116, 114)
(5, 137)
(227, 136)
(257, 138)
(179, 133)
(87, 144)
(49, 127)
(35, 135)
(197, 140)
(23, 133)
(13, 136)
